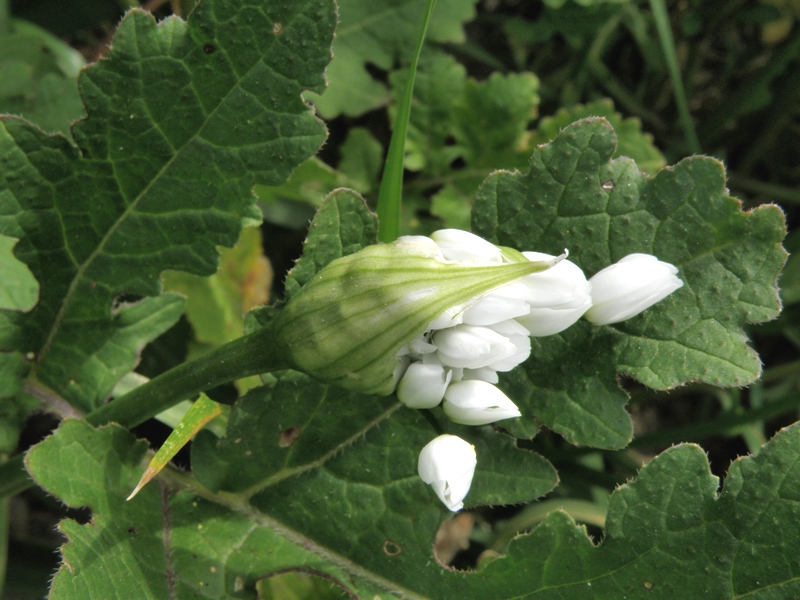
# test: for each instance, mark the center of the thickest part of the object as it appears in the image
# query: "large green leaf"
(183, 119)
(380, 32)
(576, 197)
(363, 518)
(670, 535)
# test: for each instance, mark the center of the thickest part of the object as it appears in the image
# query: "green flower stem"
(580, 510)
(661, 18)
(249, 355)
(391, 190)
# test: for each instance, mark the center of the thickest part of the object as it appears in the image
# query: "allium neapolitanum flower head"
(353, 323)
(437, 318)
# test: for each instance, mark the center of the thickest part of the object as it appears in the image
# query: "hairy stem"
(252, 354)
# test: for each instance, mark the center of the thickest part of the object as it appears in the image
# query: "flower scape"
(435, 319)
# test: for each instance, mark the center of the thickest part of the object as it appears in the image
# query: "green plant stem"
(659, 9)
(790, 369)
(5, 506)
(249, 355)
(724, 424)
(580, 510)
(252, 354)
(781, 111)
(770, 190)
(748, 91)
(391, 190)
(5, 27)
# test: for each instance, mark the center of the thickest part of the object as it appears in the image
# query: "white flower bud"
(499, 305)
(466, 247)
(630, 286)
(471, 347)
(557, 297)
(423, 385)
(448, 463)
(473, 402)
(354, 322)
(517, 335)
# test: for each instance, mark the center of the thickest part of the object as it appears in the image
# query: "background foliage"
(192, 125)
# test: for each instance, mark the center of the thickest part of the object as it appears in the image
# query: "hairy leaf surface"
(363, 519)
(576, 197)
(183, 119)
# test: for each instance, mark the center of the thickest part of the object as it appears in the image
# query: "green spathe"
(348, 324)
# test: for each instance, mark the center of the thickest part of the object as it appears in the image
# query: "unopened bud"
(350, 323)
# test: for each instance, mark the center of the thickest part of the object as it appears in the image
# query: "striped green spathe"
(347, 325)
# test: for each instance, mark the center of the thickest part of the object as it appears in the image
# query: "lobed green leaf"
(364, 519)
(575, 196)
(183, 119)
(380, 33)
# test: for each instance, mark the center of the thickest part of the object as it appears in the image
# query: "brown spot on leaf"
(288, 437)
(390, 548)
(277, 28)
(209, 49)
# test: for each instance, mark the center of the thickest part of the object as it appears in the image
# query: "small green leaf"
(343, 225)
(575, 196)
(202, 411)
(380, 32)
(631, 142)
(20, 290)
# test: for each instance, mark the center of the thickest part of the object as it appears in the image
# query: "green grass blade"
(391, 190)
(668, 47)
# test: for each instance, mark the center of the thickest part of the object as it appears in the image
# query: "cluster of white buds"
(435, 319)
(456, 360)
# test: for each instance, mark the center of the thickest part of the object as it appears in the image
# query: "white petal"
(504, 303)
(419, 244)
(523, 345)
(558, 297)
(465, 247)
(471, 347)
(423, 386)
(630, 286)
(472, 402)
(450, 318)
(483, 374)
(448, 463)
